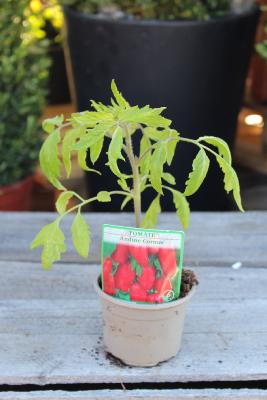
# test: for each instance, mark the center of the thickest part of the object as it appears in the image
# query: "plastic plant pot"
(142, 335)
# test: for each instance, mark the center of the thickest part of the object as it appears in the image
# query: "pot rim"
(144, 307)
(231, 16)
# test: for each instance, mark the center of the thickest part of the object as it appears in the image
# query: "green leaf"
(118, 96)
(93, 135)
(153, 260)
(95, 150)
(126, 201)
(171, 145)
(220, 144)
(68, 142)
(52, 239)
(114, 267)
(63, 200)
(145, 155)
(108, 248)
(151, 217)
(123, 184)
(122, 295)
(158, 159)
(114, 152)
(81, 237)
(49, 124)
(135, 266)
(156, 134)
(82, 157)
(99, 106)
(91, 118)
(231, 182)
(169, 178)
(145, 115)
(196, 177)
(182, 207)
(49, 160)
(103, 196)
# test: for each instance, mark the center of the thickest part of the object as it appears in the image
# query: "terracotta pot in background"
(17, 196)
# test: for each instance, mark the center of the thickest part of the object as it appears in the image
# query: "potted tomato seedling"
(141, 266)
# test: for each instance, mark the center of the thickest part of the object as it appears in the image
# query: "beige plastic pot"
(142, 334)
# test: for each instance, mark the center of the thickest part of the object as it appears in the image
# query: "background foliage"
(23, 70)
(159, 9)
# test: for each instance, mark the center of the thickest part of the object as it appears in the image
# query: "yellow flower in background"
(42, 12)
(36, 6)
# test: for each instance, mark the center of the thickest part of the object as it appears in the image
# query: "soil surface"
(189, 279)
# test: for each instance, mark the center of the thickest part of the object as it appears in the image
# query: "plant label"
(142, 265)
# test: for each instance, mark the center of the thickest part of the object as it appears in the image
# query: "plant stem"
(136, 177)
(84, 202)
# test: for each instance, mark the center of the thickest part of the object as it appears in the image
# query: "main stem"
(136, 177)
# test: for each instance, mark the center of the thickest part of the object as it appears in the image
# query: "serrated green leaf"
(68, 142)
(118, 96)
(156, 134)
(49, 124)
(151, 216)
(220, 144)
(196, 177)
(171, 145)
(81, 237)
(82, 158)
(182, 207)
(99, 106)
(90, 119)
(158, 159)
(63, 200)
(146, 115)
(231, 182)
(145, 155)
(103, 196)
(93, 136)
(123, 184)
(52, 239)
(95, 150)
(114, 152)
(125, 201)
(169, 178)
(49, 160)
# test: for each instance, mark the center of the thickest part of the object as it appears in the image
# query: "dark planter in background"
(58, 83)
(195, 68)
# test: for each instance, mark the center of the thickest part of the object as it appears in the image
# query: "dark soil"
(189, 279)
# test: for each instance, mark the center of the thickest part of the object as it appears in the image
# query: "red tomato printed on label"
(140, 254)
(163, 286)
(147, 277)
(154, 298)
(124, 277)
(153, 250)
(167, 258)
(137, 293)
(108, 278)
(121, 253)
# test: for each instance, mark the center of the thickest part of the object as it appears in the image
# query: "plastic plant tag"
(142, 265)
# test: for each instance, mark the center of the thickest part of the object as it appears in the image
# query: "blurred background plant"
(261, 47)
(24, 68)
(157, 9)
